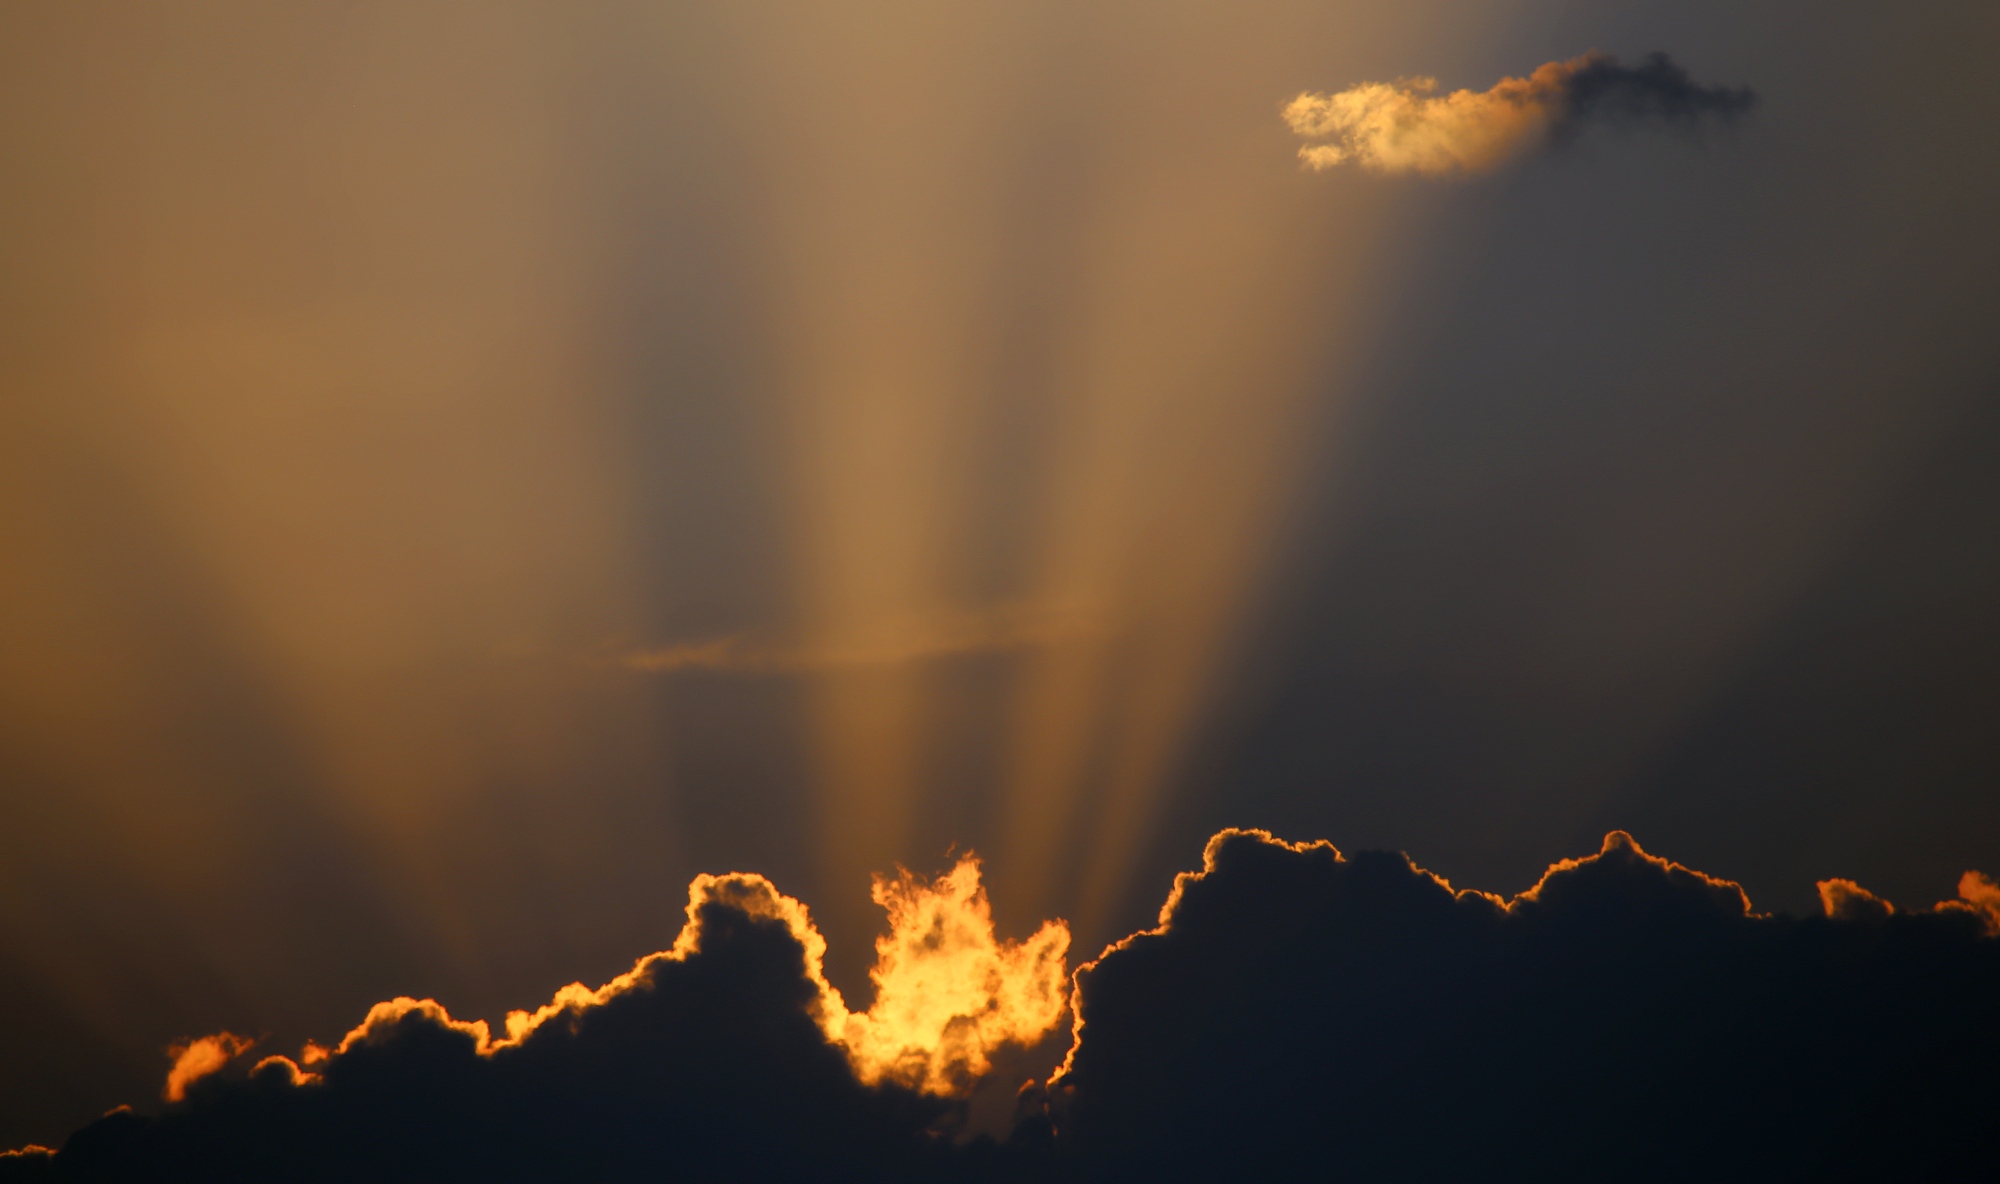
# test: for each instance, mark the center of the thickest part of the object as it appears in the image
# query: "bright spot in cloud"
(1403, 126)
(946, 991)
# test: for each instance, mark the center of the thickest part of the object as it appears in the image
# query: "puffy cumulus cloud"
(727, 1056)
(1299, 1013)
(1407, 126)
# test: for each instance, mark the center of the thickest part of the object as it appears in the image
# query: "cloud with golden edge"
(31, 1151)
(1406, 126)
(948, 991)
(1845, 900)
(1618, 845)
(200, 1057)
(1979, 895)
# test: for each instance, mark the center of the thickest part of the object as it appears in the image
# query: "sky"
(467, 470)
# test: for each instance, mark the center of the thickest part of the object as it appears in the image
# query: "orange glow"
(1029, 332)
(1402, 126)
(1143, 379)
(198, 1058)
(294, 1074)
(948, 992)
(1977, 894)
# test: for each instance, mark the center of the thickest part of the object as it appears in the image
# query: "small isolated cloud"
(995, 631)
(1406, 126)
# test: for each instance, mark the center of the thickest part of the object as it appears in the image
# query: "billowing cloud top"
(728, 1055)
(1626, 1018)
(1297, 1014)
(1406, 126)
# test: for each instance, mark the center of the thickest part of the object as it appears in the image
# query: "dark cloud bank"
(1599, 87)
(1299, 1015)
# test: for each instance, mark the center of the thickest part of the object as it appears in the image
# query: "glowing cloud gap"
(946, 993)
(1405, 126)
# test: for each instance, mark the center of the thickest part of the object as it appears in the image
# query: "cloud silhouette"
(1303, 1014)
(1406, 126)
(728, 1056)
(1297, 1014)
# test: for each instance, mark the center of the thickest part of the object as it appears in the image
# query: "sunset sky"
(469, 469)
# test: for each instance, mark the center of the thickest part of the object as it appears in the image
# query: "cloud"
(1406, 126)
(1979, 896)
(200, 1057)
(946, 992)
(728, 1055)
(1298, 1013)
(1846, 900)
(995, 631)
